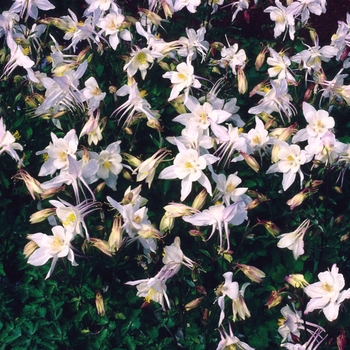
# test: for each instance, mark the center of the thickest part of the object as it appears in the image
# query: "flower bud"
(102, 245)
(297, 280)
(253, 273)
(193, 304)
(154, 124)
(341, 339)
(309, 91)
(200, 199)
(176, 210)
(168, 11)
(297, 200)
(166, 223)
(126, 175)
(100, 307)
(41, 215)
(33, 185)
(132, 160)
(260, 59)
(270, 227)
(201, 289)
(29, 248)
(178, 104)
(251, 161)
(115, 240)
(274, 299)
(51, 192)
(242, 81)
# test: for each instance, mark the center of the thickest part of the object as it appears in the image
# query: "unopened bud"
(341, 339)
(168, 12)
(102, 245)
(242, 81)
(297, 280)
(41, 215)
(201, 290)
(260, 59)
(132, 160)
(193, 304)
(205, 315)
(308, 93)
(297, 200)
(270, 227)
(115, 240)
(274, 299)
(344, 238)
(100, 307)
(29, 248)
(200, 199)
(154, 124)
(338, 189)
(251, 161)
(166, 223)
(99, 188)
(126, 175)
(253, 273)
(178, 104)
(165, 66)
(338, 220)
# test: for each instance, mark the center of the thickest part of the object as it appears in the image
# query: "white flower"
(31, 7)
(92, 129)
(56, 246)
(113, 26)
(141, 60)
(152, 289)
(291, 157)
(228, 189)
(7, 142)
(294, 240)
(319, 122)
(233, 57)
(241, 5)
(188, 167)
(218, 216)
(190, 4)
(93, 93)
(229, 341)
(326, 294)
(182, 79)
(193, 43)
(72, 217)
(109, 162)
(258, 136)
(283, 18)
(229, 289)
(280, 63)
(58, 152)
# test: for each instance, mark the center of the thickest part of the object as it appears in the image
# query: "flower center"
(328, 288)
(69, 220)
(141, 57)
(230, 187)
(151, 293)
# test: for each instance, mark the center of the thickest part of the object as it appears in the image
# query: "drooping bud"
(274, 299)
(251, 161)
(102, 245)
(41, 215)
(29, 248)
(132, 160)
(253, 273)
(193, 304)
(166, 223)
(297, 280)
(270, 227)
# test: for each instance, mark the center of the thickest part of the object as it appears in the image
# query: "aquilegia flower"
(326, 294)
(56, 246)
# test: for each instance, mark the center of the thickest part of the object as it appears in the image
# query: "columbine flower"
(229, 289)
(290, 160)
(58, 152)
(233, 57)
(72, 217)
(188, 166)
(190, 4)
(294, 240)
(218, 216)
(193, 43)
(7, 142)
(283, 18)
(93, 93)
(93, 128)
(152, 289)
(56, 246)
(31, 7)
(229, 341)
(280, 63)
(182, 78)
(326, 294)
(141, 60)
(113, 25)
(319, 122)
